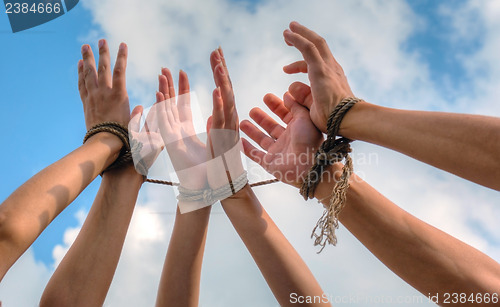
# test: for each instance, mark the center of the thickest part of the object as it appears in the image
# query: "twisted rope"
(332, 150)
(125, 156)
(176, 184)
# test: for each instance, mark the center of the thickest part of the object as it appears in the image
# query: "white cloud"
(23, 285)
(69, 237)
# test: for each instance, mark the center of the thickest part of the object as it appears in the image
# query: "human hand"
(104, 96)
(223, 125)
(329, 84)
(146, 143)
(185, 149)
(289, 150)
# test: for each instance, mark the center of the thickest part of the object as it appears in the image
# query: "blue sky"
(43, 116)
(43, 112)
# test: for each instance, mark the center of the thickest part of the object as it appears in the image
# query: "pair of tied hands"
(170, 122)
(303, 109)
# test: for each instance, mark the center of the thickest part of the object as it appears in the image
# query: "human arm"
(180, 278)
(84, 275)
(465, 145)
(280, 264)
(428, 259)
(31, 208)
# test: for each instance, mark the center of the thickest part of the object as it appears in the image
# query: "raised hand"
(328, 82)
(103, 94)
(146, 143)
(185, 149)
(289, 151)
(223, 126)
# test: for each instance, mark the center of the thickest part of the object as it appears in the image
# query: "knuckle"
(88, 72)
(102, 68)
(320, 41)
(309, 47)
(118, 71)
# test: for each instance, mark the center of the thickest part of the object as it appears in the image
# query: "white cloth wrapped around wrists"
(211, 196)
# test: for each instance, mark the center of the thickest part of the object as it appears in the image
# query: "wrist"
(109, 144)
(360, 115)
(126, 174)
(245, 192)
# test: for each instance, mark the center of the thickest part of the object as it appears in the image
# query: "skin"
(279, 263)
(180, 278)
(92, 259)
(84, 275)
(33, 206)
(462, 144)
(422, 255)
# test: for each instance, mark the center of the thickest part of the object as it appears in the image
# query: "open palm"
(289, 152)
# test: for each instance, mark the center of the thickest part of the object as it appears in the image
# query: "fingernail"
(217, 92)
(221, 69)
(101, 43)
(288, 32)
(85, 48)
(217, 55)
(80, 64)
(123, 46)
(221, 52)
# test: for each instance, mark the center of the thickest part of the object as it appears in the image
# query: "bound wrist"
(107, 139)
(357, 116)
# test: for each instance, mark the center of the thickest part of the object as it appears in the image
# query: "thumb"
(209, 124)
(301, 93)
(135, 119)
(292, 105)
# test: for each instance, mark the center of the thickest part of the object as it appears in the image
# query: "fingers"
(276, 105)
(209, 123)
(104, 77)
(164, 124)
(301, 93)
(309, 51)
(163, 86)
(184, 100)
(159, 97)
(151, 123)
(81, 81)
(292, 105)
(253, 153)
(221, 78)
(256, 135)
(218, 110)
(183, 83)
(299, 66)
(171, 86)
(135, 119)
(119, 79)
(89, 71)
(267, 123)
(215, 58)
(318, 41)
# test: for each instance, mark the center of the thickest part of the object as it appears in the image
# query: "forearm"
(31, 208)
(180, 279)
(425, 257)
(281, 266)
(85, 274)
(465, 145)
